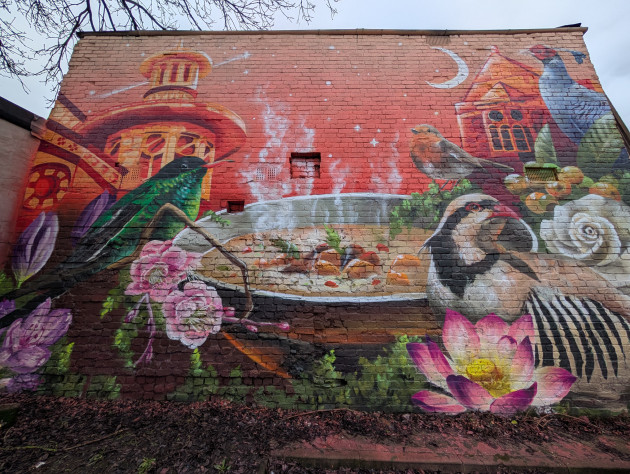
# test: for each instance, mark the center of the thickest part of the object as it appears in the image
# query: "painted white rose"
(595, 231)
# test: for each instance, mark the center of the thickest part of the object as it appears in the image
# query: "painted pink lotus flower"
(159, 269)
(193, 314)
(490, 367)
(34, 247)
(25, 346)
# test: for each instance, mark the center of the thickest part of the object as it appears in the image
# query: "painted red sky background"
(352, 98)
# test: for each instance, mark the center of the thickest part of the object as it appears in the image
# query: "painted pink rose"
(25, 346)
(159, 269)
(193, 314)
(489, 367)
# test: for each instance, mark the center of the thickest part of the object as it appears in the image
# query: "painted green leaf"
(108, 305)
(624, 186)
(214, 217)
(195, 362)
(543, 148)
(65, 354)
(428, 205)
(287, 247)
(600, 147)
(122, 341)
(6, 283)
(236, 373)
(333, 239)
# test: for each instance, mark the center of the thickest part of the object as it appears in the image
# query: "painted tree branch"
(179, 214)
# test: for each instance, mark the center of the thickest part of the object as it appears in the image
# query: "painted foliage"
(373, 221)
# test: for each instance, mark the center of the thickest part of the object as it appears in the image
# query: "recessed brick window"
(235, 206)
(305, 165)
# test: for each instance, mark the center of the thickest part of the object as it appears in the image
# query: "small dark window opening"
(235, 206)
(305, 165)
(541, 174)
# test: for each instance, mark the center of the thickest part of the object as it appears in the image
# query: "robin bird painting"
(477, 268)
(441, 159)
(116, 233)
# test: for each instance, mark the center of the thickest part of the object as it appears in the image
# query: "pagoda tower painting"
(116, 150)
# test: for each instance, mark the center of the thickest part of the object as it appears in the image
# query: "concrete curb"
(434, 452)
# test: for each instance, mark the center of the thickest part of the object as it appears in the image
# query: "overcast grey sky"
(608, 38)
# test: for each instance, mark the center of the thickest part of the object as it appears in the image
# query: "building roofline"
(625, 133)
(353, 32)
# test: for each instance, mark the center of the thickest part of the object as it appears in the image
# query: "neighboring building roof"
(16, 115)
(21, 117)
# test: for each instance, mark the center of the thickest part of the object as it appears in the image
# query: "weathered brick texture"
(426, 221)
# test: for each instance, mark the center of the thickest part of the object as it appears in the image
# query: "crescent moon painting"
(462, 72)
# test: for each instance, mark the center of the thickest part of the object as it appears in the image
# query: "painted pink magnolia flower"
(193, 314)
(25, 346)
(159, 269)
(490, 367)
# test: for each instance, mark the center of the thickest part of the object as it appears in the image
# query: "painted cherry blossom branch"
(179, 214)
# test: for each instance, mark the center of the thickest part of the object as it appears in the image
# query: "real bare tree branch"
(58, 21)
(107, 11)
(12, 43)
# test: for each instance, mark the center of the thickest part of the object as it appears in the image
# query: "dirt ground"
(78, 435)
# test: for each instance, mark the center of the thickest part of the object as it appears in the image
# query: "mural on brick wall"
(170, 247)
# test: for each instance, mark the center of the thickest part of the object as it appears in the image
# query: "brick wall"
(18, 144)
(391, 221)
